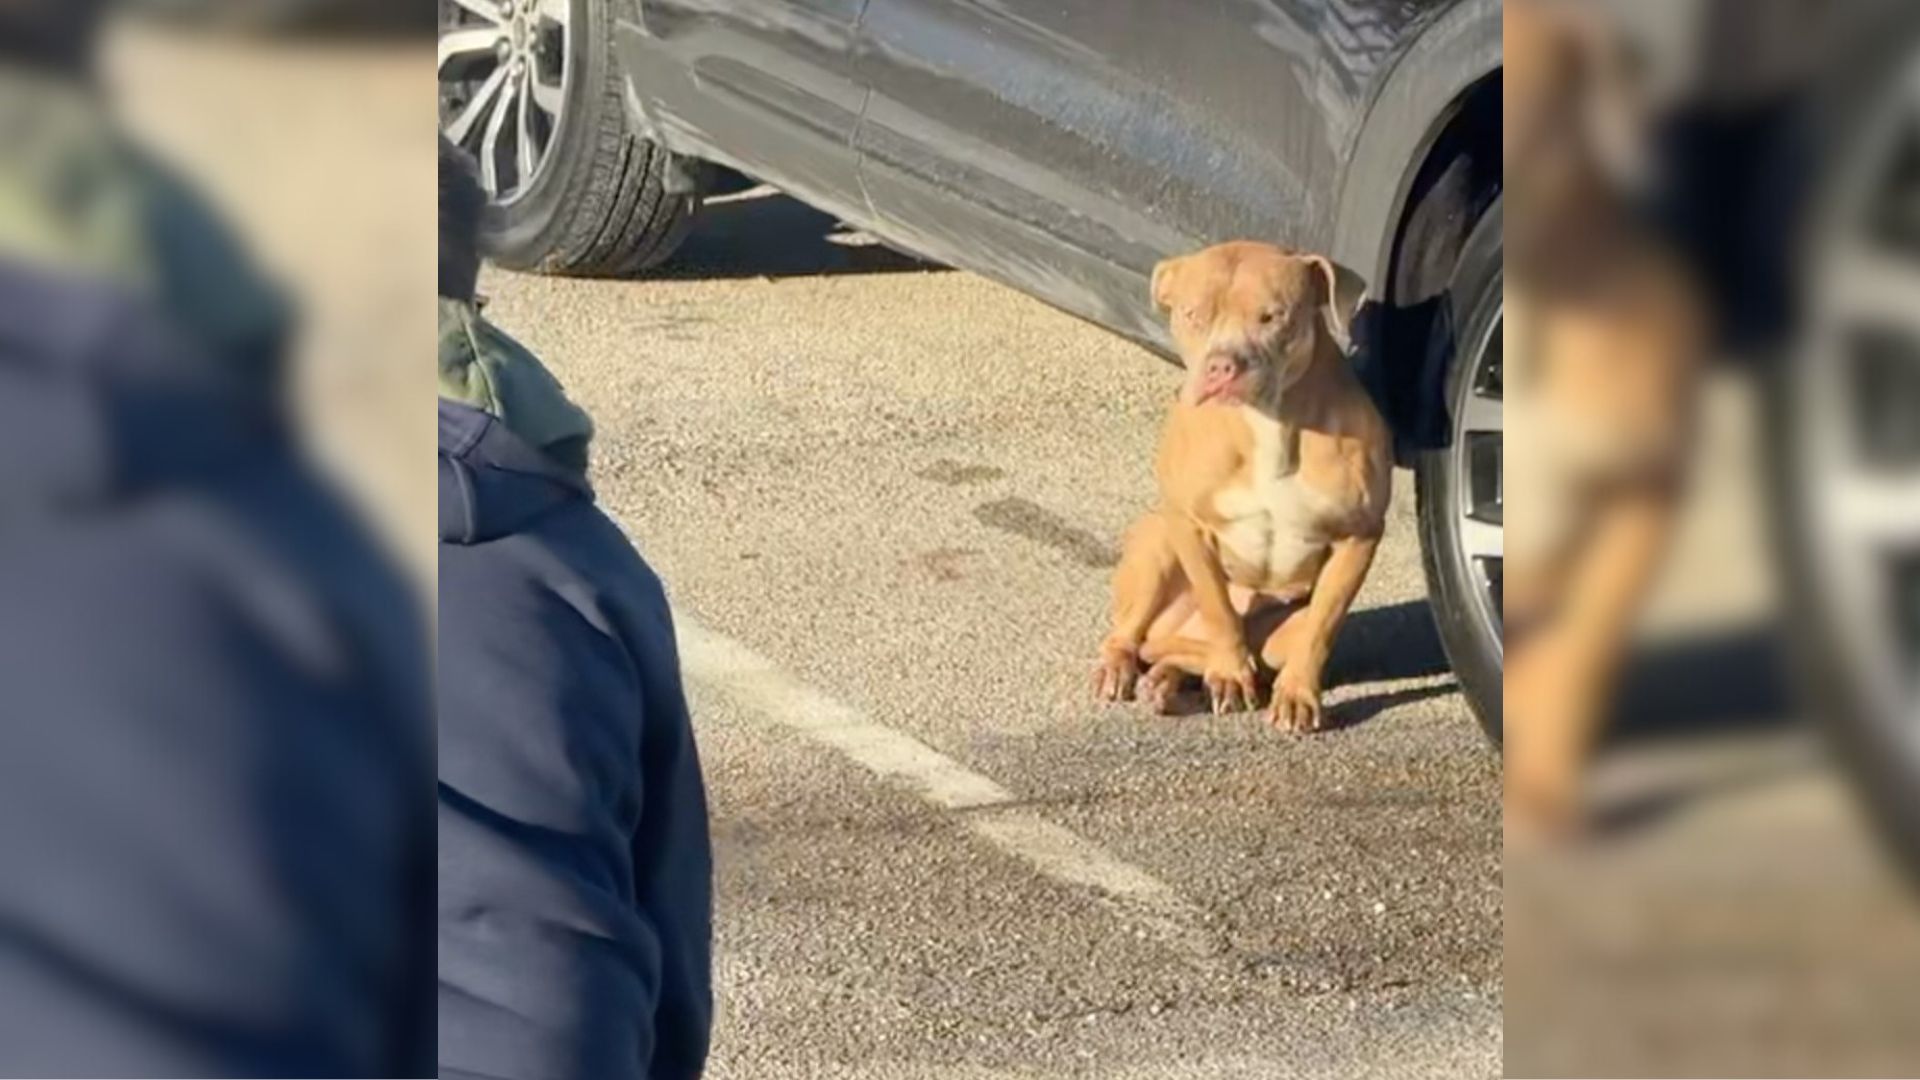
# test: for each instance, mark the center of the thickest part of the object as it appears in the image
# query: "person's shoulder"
(576, 553)
(608, 557)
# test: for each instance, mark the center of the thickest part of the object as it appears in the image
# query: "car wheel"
(1459, 484)
(531, 89)
(1847, 456)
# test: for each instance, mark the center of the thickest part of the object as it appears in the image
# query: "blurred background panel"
(215, 751)
(1743, 900)
(347, 17)
(313, 130)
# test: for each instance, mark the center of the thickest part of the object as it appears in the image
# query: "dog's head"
(1250, 318)
(1573, 95)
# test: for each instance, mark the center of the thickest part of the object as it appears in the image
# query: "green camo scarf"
(77, 197)
(481, 366)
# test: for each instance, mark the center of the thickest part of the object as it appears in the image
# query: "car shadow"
(759, 232)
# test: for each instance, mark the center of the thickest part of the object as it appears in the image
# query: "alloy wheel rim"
(1854, 380)
(1478, 452)
(504, 72)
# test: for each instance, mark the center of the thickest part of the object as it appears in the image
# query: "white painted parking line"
(981, 806)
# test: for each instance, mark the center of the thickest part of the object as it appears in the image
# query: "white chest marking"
(1275, 526)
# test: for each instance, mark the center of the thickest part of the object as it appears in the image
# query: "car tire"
(1458, 484)
(600, 202)
(1839, 407)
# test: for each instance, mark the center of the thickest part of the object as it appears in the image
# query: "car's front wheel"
(531, 89)
(1845, 454)
(1459, 485)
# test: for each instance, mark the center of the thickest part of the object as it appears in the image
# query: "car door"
(763, 85)
(1064, 146)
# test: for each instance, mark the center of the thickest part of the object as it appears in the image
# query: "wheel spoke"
(1874, 287)
(1882, 511)
(1482, 413)
(490, 141)
(468, 43)
(1479, 423)
(549, 97)
(486, 9)
(1482, 539)
(523, 133)
(497, 55)
(461, 129)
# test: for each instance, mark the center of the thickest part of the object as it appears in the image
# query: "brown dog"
(1604, 337)
(1274, 473)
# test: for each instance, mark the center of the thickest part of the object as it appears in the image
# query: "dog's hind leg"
(1175, 661)
(1145, 583)
(1177, 648)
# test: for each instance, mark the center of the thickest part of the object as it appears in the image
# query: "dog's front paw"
(1296, 705)
(1114, 677)
(1230, 681)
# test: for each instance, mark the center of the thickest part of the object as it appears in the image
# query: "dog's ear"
(1613, 103)
(1596, 93)
(1344, 291)
(1164, 276)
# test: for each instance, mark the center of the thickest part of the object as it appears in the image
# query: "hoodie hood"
(492, 483)
(138, 347)
(68, 194)
(483, 366)
(78, 198)
(102, 398)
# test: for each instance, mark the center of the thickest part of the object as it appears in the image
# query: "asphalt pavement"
(897, 491)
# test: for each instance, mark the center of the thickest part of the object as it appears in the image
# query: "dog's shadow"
(1728, 686)
(1382, 644)
(1730, 681)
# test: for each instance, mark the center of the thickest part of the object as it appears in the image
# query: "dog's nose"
(1224, 363)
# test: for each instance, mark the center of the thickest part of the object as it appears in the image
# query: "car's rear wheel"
(1459, 485)
(531, 89)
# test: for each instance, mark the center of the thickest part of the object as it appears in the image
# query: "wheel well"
(1456, 179)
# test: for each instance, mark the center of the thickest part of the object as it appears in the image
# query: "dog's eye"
(1269, 317)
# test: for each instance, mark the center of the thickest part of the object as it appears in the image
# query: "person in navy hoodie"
(574, 866)
(215, 758)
